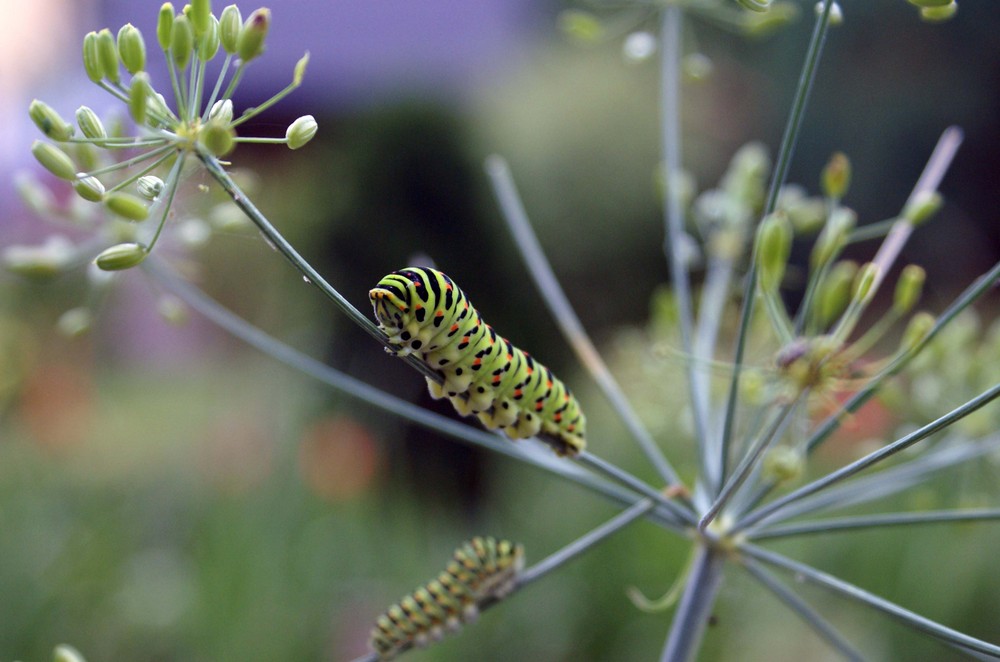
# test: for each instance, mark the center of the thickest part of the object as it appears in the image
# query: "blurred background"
(167, 493)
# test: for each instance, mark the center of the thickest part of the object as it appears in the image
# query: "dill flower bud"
(149, 186)
(938, 14)
(835, 291)
(221, 112)
(208, 40)
(833, 236)
(89, 188)
(139, 93)
(121, 256)
(54, 160)
(251, 41)
(131, 48)
(300, 69)
(908, 288)
(774, 244)
(836, 14)
(924, 205)
(90, 124)
(864, 281)
(301, 131)
(165, 26)
(91, 61)
(924, 4)
(107, 55)
(218, 138)
(836, 176)
(200, 15)
(44, 261)
(230, 26)
(49, 122)
(75, 322)
(919, 326)
(782, 464)
(126, 205)
(181, 41)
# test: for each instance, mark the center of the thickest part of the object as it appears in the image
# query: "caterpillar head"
(391, 308)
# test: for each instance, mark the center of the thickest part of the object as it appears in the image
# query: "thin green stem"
(234, 82)
(880, 521)
(128, 163)
(802, 609)
(260, 141)
(218, 86)
(173, 183)
(176, 85)
(566, 318)
(792, 130)
(803, 572)
(695, 607)
(870, 231)
(134, 177)
(256, 110)
(875, 457)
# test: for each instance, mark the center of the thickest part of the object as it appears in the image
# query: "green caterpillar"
(481, 568)
(424, 313)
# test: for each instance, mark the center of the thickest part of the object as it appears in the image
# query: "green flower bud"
(121, 256)
(938, 14)
(221, 112)
(836, 14)
(45, 261)
(835, 292)
(66, 653)
(208, 41)
(580, 26)
(774, 244)
(697, 67)
(149, 186)
(54, 160)
(219, 139)
(49, 122)
(165, 26)
(833, 237)
(251, 41)
(908, 288)
(924, 205)
(172, 310)
(89, 188)
(301, 131)
(230, 26)
(91, 60)
(782, 464)
(74, 323)
(864, 281)
(300, 69)
(200, 15)
(127, 206)
(923, 4)
(181, 41)
(107, 55)
(776, 16)
(139, 93)
(755, 5)
(90, 124)
(919, 327)
(836, 176)
(157, 105)
(131, 48)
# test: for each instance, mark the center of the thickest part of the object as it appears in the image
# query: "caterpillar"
(424, 313)
(481, 568)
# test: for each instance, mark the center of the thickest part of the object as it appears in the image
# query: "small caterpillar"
(424, 313)
(481, 568)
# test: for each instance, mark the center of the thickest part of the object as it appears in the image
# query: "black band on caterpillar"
(481, 568)
(424, 313)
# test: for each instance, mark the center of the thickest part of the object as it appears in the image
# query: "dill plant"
(754, 436)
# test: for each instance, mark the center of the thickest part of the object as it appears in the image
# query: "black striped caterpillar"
(481, 568)
(424, 313)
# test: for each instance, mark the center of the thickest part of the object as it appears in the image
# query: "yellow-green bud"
(697, 67)
(181, 41)
(90, 124)
(218, 138)
(139, 93)
(908, 288)
(938, 14)
(774, 244)
(149, 186)
(208, 41)
(836, 176)
(778, 15)
(230, 26)
(755, 5)
(200, 15)
(251, 41)
(66, 653)
(172, 309)
(107, 55)
(835, 291)
(89, 188)
(131, 48)
(158, 105)
(91, 60)
(782, 464)
(74, 323)
(301, 131)
(581, 26)
(919, 326)
(300, 69)
(221, 112)
(54, 160)
(49, 122)
(121, 256)
(930, 3)
(126, 205)
(864, 280)
(924, 205)
(833, 237)
(165, 26)
(44, 261)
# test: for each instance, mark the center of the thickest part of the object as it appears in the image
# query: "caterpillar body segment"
(480, 569)
(424, 313)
